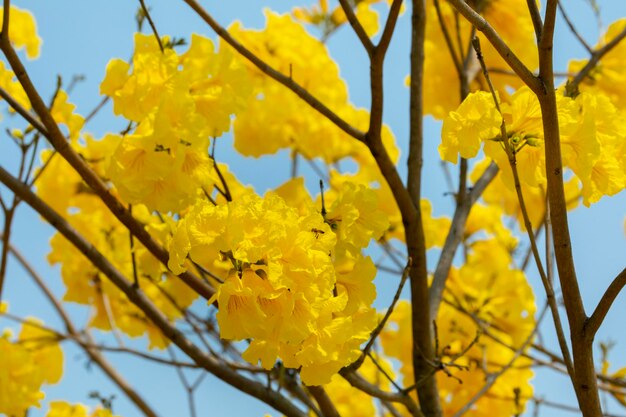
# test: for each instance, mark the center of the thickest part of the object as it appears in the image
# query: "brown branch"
(6, 14)
(535, 16)
(503, 49)
(381, 325)
(390, 25)
(446, 34)
(146, 13)
(92, 351)
(357, 27)
(361, 384)
(55, 137)
(454, 237)
(138, 298)
(23, 112)
(584, 379)
(272, 73)
(492, 378)
(423, 353)
(603, 307)
(572, 86)
(327, 407)
(572, 28)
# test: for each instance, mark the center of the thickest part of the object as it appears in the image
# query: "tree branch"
(609, 296)
(535, 16)
(327, 407)
(584, 378)
(454, 237)
(363, 385)
(572, 86)
(357, 27)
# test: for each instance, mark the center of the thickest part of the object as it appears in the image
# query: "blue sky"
(81, 36)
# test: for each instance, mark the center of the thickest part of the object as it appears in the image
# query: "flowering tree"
(273, 294)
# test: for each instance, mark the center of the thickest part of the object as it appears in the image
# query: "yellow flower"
(25, 365)
(23, 31)
(63, 112)
(463, 130)
(64, 409)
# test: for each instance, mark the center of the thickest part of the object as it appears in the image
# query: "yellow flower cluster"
(177, 102)
(34, 359)
(289, 122)
(298, 285)
(64, 409)
(485, 290)
(592, 139)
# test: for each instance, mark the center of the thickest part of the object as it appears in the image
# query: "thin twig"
(492, 378)
(146, 12)
(572, 28)
(572, 86)
(609, 296)
(529, 228)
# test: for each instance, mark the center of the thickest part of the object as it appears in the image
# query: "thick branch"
(138, 298)
(584, 378)
(423, 350)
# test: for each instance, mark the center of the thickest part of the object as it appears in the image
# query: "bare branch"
(381, 325)
(596, 56)
(361, 384)
(454, 237)
(357, 27)
(511, 154)
(492, 378)
(572, 28)
(535, 16)
(603, 307)
(146, 12)
(323, 400)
